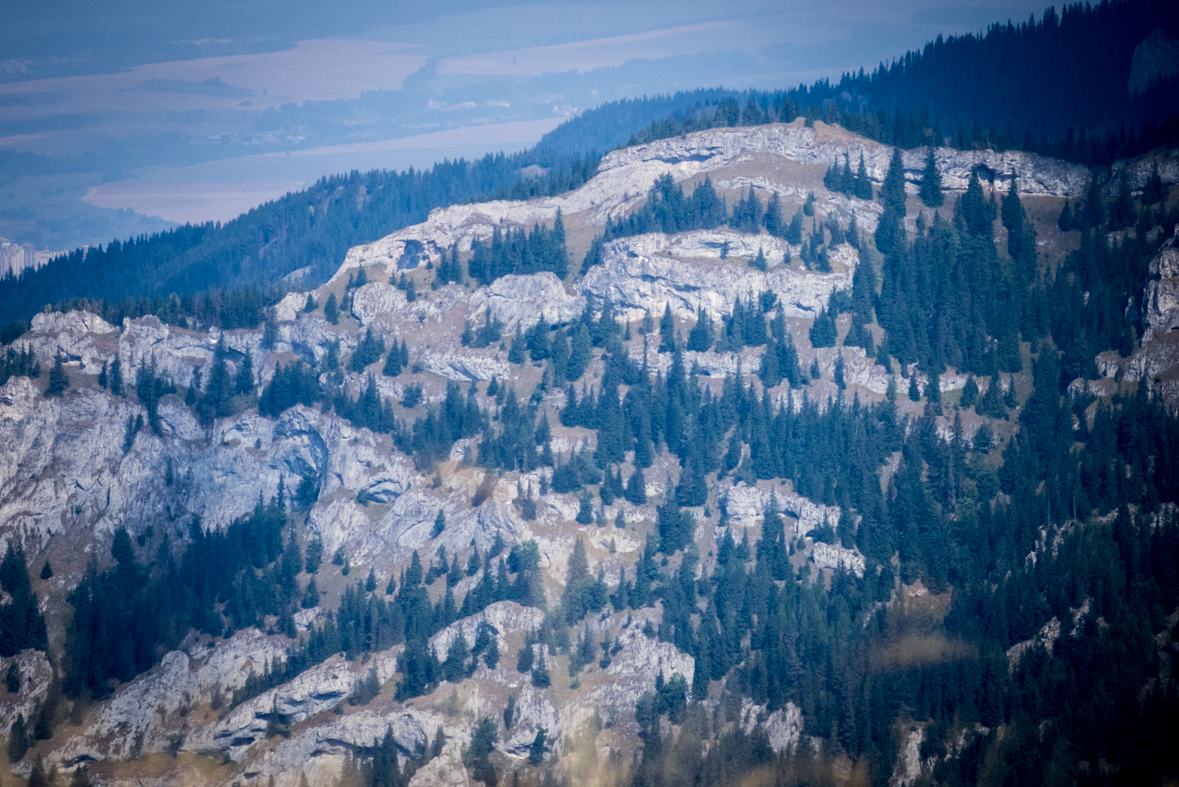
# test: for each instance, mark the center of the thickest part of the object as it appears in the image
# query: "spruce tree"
(585, 514)
(331, 310)
(863, 184)
(823, 332)
(893, 191)
(636, 488)
(18, 739)
(538, 748)
(701, 336)
(773, 218)
(931, 182)
(969, 393)
(59, 381)
(794, 231)
(244, 382)
(540, 672)
(116, 381)
(667, 331)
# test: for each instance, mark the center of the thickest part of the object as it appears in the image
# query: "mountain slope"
(559, 461)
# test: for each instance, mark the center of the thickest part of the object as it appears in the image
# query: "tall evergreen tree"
(931, 182)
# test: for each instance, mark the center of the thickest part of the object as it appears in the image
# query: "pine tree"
(540, 672)
(538, 748)
(1065, 222)
(794, 231)
(585, 514)
(863, 184)
(331, 310)
(59, 381)
(244, 382)
(773, 218)
(758, 262)
(701, 336)
(969, 393)
(667, 331)
(117, 377)
(636, 488)
(510, 712)
(18, 739)
(893, 191)
(525, 658)
(931, 182)
(1012, 213)
(13, 678)
(823, 332)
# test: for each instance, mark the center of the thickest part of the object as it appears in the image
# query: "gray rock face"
(686, 272)
(522, 300)
(783, 727)
(1158, 355)
(1138, 171)
(318, 689)
(747, 504)
(79, 337)
(1156, 57)
(625, 176)
(150, 713)
(836, 557)
(908, 767)
(459, 224)
(319, 752)
(1162, 292)
(504, 616)
(36, 675)
(63, 468)
(706, 151)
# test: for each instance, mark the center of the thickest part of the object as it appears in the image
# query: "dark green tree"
(931, 182)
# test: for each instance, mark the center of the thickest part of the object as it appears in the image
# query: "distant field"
(221, 190)
(130, 102)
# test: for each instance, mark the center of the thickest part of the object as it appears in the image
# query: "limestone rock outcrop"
(650, 272)
(625, 176)
(1157, 359)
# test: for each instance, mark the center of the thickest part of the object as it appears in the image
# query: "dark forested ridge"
(310, 230)
(1062, 85)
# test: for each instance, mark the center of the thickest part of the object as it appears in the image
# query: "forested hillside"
(810, 472)
(1060, 85)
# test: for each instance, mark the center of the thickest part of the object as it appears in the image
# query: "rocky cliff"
(73, 471)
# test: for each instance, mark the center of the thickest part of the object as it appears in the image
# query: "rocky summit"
(406, 571)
